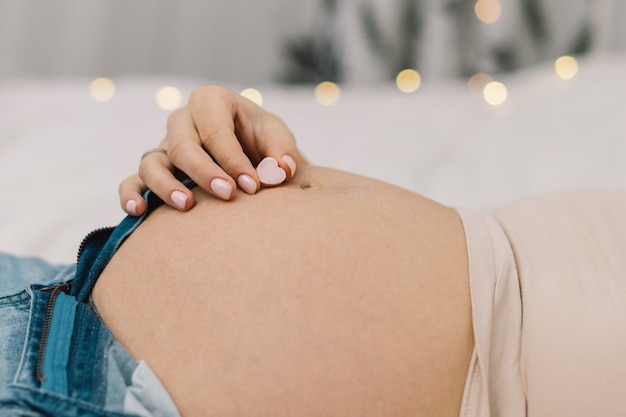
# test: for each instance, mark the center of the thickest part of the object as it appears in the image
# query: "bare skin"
(332, 295)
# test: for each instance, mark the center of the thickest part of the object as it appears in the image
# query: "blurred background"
(470, 102)
(304, 41)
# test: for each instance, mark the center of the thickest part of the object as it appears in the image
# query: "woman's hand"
(215, 139)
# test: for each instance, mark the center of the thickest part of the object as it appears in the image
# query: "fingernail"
(221, 188)
(291, 162)
(247, 183)
(179, 199)
(131, 207)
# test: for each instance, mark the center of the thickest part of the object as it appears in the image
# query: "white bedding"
(62, 153)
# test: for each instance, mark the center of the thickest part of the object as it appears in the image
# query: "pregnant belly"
(333, 294)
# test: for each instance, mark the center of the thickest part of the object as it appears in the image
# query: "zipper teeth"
(81, 248)
(56, 289)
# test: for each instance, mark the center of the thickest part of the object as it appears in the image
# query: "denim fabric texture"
(57, 358)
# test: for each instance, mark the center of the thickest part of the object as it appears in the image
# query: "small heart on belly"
(270, 173)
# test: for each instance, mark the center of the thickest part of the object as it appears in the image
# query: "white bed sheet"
(62, 154)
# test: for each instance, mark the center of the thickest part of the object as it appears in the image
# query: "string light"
(408, 80)
(566, 67)
(253, 95)
(488, 11)
(327, 93)
(495, 93)
(102, 89)
(478, 81)
(169, 98)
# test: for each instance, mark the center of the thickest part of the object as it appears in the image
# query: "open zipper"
(56, 290)
(90, 236)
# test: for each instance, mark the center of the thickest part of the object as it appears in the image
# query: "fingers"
(130, 191)
(274, 139)
(186, 152)
(217, 139)
(239, 133)
(156, 173)
(263, 134)
(213, 111)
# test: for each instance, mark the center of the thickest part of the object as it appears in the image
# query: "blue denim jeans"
(57, 358)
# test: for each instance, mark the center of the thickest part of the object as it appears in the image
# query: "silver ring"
(153, 150)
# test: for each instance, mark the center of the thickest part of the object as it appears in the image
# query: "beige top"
(561, 260)
(494, 382)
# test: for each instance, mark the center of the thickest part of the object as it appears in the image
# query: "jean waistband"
(99, 246)
(52, 342)
(70, 363)
(97, 249)
(63, 368)
(72, 366)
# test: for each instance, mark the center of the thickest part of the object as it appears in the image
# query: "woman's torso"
(330, 295)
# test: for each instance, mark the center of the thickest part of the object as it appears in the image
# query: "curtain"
(251, 41)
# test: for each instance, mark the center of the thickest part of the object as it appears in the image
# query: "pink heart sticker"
(270, 173)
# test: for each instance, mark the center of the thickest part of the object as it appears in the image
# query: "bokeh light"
(102, 89)
(408, 80)
(495, 93)
(327, 93)
(566, 67)
(253, 95)
(488, 11)
(169, 98)
(478, 81)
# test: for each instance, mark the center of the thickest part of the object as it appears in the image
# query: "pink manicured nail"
(247, 183)
(131, 207)
(221, 188)
(291, 162)
(179, 199)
